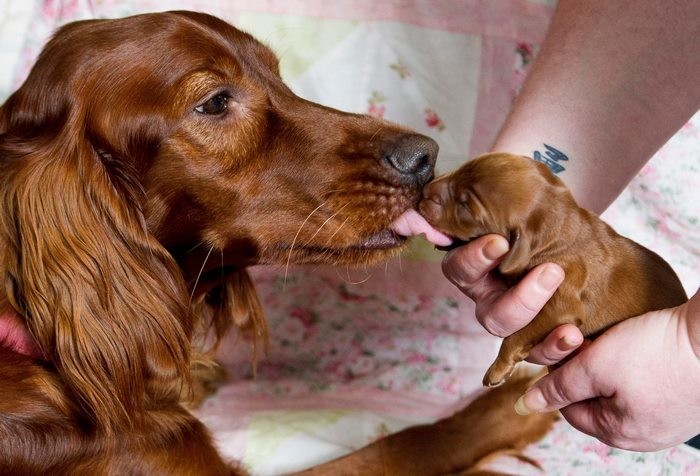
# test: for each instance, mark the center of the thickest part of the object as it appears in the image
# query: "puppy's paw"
(498, 373)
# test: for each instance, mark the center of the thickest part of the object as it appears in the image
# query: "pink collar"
(15, 336)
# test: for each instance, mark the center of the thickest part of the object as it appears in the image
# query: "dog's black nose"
(414, 156)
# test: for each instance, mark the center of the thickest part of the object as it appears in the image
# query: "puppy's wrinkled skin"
(609, 278)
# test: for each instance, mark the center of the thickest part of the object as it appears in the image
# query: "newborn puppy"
(609, 278)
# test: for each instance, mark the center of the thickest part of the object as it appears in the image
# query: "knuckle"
(622, 434)
(549, 351)
(454, 273)
(555, 392)
(549, 355)
(492, 326)
(487, 313)
(463, 267)
(537, 356)
(509, 315)
(527, 302)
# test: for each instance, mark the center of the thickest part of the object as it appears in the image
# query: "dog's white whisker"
(201, 271)
(336, 231)
(330, 192)
(223, 274)
(291, 248)
(379, 129)
(324, 223)
(347, 279)
(194, 247)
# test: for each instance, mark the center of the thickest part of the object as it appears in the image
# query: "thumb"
(693, 320)
(568, 384)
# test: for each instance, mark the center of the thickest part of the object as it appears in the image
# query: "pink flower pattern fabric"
(356, 355)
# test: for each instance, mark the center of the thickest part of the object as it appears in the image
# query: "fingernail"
(569, 342)
(495, 248)
(532, 402)
(549, 278)
(564, 343)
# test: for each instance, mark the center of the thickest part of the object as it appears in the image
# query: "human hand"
(503, 310)
(635, 387)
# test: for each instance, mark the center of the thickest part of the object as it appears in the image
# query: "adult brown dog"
(608, 277)
(144, 164)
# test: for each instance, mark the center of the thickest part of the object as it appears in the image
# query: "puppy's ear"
(469, 199)
(103, 298)
(518, 258)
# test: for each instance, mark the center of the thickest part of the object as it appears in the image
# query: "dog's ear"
(3, 121)
(518, 258)
(104, 300)
(245, 307)
(236, 301)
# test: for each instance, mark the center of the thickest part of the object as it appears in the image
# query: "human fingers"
(692, 310)
(500, 310)
(468, 266)
(560, 343)
(516, 307)
(571, 383)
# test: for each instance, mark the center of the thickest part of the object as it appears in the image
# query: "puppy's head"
(496, 193)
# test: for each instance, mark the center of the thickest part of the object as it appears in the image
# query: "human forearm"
(613, 81)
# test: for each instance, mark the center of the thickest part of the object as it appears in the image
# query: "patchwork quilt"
(357, 354)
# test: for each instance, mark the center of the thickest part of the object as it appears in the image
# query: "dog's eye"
(214, 106)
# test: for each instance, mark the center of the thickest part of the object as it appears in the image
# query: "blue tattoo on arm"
(552, 158)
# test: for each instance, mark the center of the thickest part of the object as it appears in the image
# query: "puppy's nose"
(431, 204)
(414, 156)
(436, 190)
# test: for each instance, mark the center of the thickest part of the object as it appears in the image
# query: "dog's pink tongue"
(410, 223)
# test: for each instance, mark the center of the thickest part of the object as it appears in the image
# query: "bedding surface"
(356, 354)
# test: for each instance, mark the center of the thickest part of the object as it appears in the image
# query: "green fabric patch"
(312, 38)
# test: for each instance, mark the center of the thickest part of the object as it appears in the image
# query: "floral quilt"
(356, 354)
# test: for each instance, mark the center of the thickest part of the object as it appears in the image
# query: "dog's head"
(192, 113)
(498, 193)
(146, 157)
